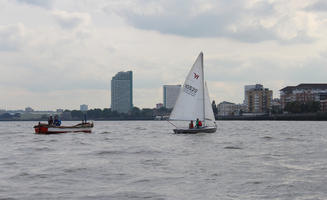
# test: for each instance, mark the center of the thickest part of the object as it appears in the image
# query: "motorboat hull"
(46, 129)
(195, 130)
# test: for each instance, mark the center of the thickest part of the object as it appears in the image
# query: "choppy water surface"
(144, 160)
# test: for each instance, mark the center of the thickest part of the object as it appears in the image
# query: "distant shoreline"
(278, 117)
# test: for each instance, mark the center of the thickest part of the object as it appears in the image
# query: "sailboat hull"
(195, 130)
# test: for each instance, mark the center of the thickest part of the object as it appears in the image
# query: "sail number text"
(190, 89)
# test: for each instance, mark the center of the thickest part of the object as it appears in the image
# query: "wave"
(105, 132)
(141, 181)
(7, 198)
(146, 152)
(232, 147)
(254, 182)
(117, 152)
(74, 169)
(154, 162)
(136, 195)
(267, 137)
(113, 152)
(30, 176)
(42, 149)
(53, 140)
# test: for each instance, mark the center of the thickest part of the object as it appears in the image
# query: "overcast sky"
(63, 53)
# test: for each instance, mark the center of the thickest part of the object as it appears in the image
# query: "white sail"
(190, 103)
(209, 116)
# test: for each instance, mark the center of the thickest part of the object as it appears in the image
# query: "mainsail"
(193, 102)
(190, 103)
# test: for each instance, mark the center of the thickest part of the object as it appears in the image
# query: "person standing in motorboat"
(50, 121)
(56, 122)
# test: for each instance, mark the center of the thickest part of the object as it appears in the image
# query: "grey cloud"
(45, 77)
(11, 37)
(71, 20)
(320, 6)
(202, 26)
(233, 19)
(65, 84)
(41, 3)
(263, 70)
(313, 70)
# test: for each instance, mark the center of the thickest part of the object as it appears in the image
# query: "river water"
(145, 160)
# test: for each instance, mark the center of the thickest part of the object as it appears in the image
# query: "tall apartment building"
(247, 88)
(170, 94)
(122, 92)
(304, 92)
(257, 99)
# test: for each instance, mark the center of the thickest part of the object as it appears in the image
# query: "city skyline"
(60, 54)
(245, 103)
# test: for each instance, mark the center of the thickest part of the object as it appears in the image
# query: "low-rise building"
(323, 102)
(276, 106)
(240, 108)
(304, 92)
(226, 108)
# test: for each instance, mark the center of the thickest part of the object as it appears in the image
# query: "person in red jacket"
(190, 126)
(200, 123)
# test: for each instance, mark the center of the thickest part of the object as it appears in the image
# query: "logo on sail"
(196, 76)
(188, 89)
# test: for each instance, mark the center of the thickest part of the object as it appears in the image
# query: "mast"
(203, 101)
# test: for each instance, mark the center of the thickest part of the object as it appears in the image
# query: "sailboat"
(193, 102)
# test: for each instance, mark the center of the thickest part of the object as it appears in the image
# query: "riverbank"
(280, 117)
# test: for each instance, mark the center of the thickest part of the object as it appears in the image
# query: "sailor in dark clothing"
(50, 121)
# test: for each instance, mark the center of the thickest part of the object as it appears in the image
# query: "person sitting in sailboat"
(190, 126)
(198, 123)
